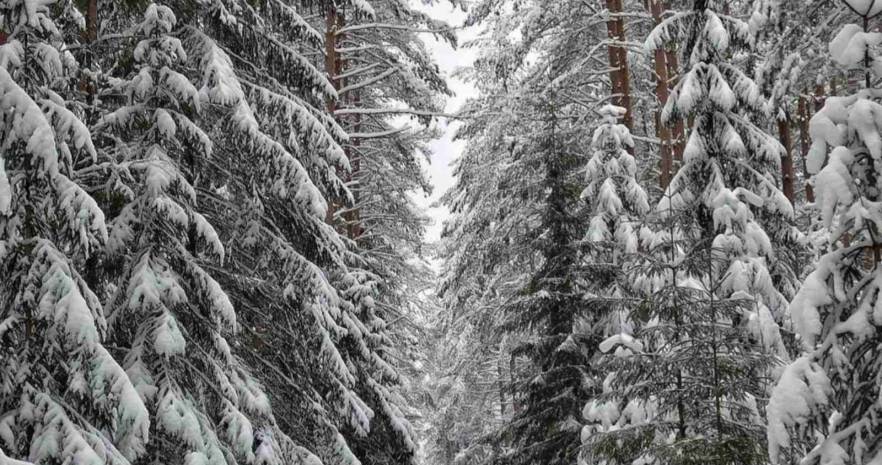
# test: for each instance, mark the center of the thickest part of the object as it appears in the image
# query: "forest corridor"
(660, 243)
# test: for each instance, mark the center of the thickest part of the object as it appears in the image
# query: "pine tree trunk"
(89, 36)
(787, 159)
(353, 217)
(666, 163)
(678, 133)
(92, 21)
(805, 144)
(333, 67)
(618, 61)
(332, 59)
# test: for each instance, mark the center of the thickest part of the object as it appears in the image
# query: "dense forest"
(663, 246)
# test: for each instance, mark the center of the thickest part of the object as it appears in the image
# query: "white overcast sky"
(445, 150)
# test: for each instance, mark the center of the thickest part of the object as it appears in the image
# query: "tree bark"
(333, 68)
(353, 216)
(820, 96)
(666, 162)
(678, 132)
(92, 21)
(805, 144)
(787, 159)
(618, 61)
(333, 65)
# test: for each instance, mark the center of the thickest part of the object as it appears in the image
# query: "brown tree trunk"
(90, 35)
(666, 162)
(821, 96)
(333, 68)
(618, 61)
(805, 144)
(787, 159)
(92, 21)
(353, 217)
(333, 65)
(678, 132)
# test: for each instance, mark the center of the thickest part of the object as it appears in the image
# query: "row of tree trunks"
(618, 60)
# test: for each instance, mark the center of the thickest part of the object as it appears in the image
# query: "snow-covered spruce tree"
(168, 316)
(307, 307)
(825, 407)
(617, 202)
(62, 395)
(708, 338)
(494, 242)
(547, 309)
(618, 205)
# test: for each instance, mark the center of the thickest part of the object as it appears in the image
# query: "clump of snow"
(802, 389)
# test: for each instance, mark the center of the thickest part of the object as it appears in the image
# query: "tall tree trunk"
(333, 22)
(618, 61)
(89, 36)
(353, 216)
(92, 21)
(678, 132)
(805, 144)
(333, 68)
(787, 159)
(666, 162)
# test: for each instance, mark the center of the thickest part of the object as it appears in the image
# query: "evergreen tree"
(618, 204)
(546, 309)
(500, 236)
(168, 315)
(616, 200)
(63, 396)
